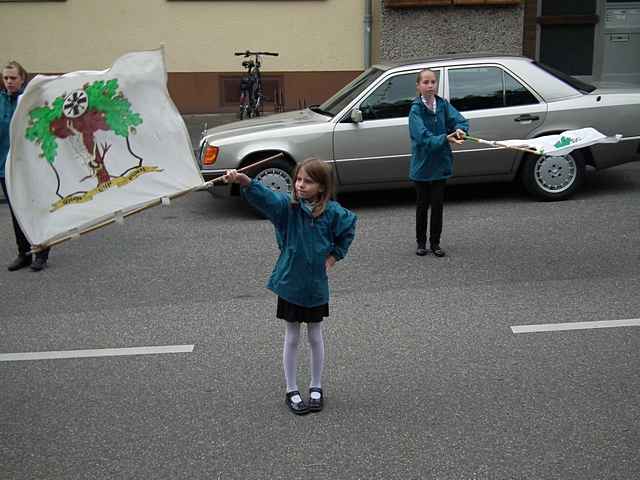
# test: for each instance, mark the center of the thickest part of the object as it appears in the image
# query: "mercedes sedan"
(363, 129)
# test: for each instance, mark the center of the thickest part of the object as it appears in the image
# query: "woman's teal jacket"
(431, 157)
(300, 275)
(7, 108)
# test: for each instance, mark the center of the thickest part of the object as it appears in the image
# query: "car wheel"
(553, 178)
(276, 175)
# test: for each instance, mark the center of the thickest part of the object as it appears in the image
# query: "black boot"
(20, 262)
(39, 264)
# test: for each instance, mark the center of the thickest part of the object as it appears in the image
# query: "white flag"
(563, 143)
(91, 146)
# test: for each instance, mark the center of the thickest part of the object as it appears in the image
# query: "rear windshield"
(343, 97)
(579, 85)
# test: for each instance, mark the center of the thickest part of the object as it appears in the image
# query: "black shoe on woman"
(316, 404)
(299, 408)
(20, 262)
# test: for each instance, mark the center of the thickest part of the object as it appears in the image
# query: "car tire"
(553, 178)
(276, 175)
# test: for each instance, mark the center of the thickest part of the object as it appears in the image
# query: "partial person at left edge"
(14, 77)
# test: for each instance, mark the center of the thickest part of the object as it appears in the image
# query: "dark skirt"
(296, 313)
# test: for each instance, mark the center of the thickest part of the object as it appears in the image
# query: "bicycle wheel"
(245, 108)
(259, 105)
(255, 99)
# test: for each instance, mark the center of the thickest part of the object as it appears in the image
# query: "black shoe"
(38, 264)
(20, 262)
(437, 251)
(299, 408)
(316, 405)
(421, 251)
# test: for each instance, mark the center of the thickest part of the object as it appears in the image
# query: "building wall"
(320, 42)
(421, 31)
(530, 28)
(603, 37)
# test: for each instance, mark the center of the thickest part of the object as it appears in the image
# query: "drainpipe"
(367, 33)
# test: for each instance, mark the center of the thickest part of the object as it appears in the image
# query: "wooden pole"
(535, 152)
(153, 203)
(242, 170)
(501, 145)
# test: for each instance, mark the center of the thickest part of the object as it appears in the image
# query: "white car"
(363, 128)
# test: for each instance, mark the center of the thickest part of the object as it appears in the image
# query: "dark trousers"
(23, 244)
(429, 194)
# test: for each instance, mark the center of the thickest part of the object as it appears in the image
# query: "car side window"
(475, 88)
(486, 87)
(392, 99)
(515, 93)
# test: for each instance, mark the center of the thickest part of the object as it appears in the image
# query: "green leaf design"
(564, 142)
(104, 97)
(39, 129)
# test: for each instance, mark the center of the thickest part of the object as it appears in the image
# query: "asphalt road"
(424, 378)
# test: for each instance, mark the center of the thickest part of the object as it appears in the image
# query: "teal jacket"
(431, 157)
(299, 275)
(7, 108)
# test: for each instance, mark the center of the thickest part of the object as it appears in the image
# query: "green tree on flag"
(78, 116)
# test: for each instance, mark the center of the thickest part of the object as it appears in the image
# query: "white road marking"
(101, 352)
(552, 327)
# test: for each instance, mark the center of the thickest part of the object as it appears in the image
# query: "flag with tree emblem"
(88, 146)
(562, 143)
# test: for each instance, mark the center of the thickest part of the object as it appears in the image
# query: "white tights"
(289, 354)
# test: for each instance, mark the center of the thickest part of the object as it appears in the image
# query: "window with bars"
(230, 88)
(438, 3)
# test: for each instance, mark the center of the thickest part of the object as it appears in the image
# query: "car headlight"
(210, 155)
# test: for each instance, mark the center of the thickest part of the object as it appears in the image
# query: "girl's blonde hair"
(21, 70)
(419, 77)
(321, 173)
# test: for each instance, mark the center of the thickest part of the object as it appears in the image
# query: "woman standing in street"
(434, 124)
(14, 77)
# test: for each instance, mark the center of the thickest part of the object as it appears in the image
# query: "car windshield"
(341, 99)
(579, 85)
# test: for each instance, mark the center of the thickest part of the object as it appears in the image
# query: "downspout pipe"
(367, 33)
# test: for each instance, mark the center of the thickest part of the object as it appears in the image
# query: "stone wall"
(428, 31)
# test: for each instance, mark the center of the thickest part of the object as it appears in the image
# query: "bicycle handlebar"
(247, 53)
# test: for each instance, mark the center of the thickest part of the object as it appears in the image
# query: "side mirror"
(356, 115)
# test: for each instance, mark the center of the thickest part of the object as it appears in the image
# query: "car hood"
(265, 124)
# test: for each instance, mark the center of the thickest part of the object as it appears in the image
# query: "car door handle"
(526, 118)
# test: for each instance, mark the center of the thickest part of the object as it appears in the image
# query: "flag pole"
(524, 149)
(153, 203)
(501, 145)
(241, 170)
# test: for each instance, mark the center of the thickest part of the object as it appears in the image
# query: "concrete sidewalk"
(196, 123)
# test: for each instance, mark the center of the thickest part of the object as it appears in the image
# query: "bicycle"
(251, 93)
